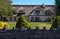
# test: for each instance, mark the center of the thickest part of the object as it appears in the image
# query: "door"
(32, 19)
(36, 19)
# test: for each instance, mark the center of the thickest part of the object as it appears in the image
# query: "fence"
(30, 33)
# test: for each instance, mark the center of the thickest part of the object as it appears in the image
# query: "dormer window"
(48, 12)
(37, 12)
(20, 13)
(14, 12)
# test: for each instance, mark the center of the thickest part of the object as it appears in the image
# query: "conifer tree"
(56, 23)
(22, 22)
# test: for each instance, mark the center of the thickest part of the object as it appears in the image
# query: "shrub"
(22, 22)
(57, 20)
(56, 23)
(4, 24)
(48, 19)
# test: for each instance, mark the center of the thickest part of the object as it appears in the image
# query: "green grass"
(40, 25)
(12, 24)
(33, 24)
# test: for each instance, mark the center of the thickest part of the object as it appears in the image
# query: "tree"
(56, 23)
(22, 22)
(5, 8)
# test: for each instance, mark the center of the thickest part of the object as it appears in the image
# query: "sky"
(33, 2)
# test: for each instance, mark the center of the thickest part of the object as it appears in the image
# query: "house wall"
(41, 18)
(30, 10)
(28, 18)
(12, 18)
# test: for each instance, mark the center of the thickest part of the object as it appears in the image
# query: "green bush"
(56, 22)
(22, 22)
(48, 19)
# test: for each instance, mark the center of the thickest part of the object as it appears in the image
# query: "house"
(34, 12)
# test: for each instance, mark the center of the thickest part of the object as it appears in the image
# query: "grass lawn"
(33, 24)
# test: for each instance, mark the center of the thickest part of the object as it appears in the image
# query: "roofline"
(28, 5)
(32, 5)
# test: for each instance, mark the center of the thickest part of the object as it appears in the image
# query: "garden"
(9, 12)
(33, 25)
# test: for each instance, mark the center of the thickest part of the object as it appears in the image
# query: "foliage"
(32, 24)
(57, 7)
(22, 22)
(3, 24)
(56, 23)
(5, 8)
(48, 19)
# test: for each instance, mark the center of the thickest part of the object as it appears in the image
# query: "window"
(36, 19)
(15, 18)
(10, 18)
(14, 12)
(37, 12)
(20, 13)
(32, 19)
(48, 12)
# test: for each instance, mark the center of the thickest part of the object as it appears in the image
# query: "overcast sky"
(33, 2)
